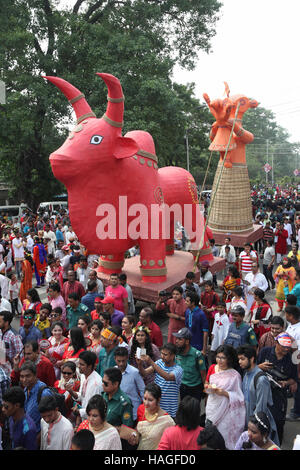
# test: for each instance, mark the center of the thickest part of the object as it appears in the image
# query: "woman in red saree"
(26, 276)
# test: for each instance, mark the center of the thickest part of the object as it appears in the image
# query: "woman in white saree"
(152, 420)
(106, 435)
(225, 406)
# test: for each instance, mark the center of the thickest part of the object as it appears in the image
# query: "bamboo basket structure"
(232, 209)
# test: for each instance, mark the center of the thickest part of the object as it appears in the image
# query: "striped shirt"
(169, 388)
(246, 261)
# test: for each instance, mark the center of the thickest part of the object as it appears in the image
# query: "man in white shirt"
(65, 261)
(254, 280)
(56, 430)
(4, 286)
(90, 383)
(70, 236)
(232, 250)
(18, 248)
(29, 243)
(268, 262)
(83, 271)
(93, 277)
(5, 305)
(288, 228)
(51, 239)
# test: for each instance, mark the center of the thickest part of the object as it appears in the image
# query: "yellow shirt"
(291, 254)
(42, 325)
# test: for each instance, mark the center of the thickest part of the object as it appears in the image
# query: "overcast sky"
(256, 50)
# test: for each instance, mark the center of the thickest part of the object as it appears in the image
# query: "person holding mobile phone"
(141, 340)
(277, 362)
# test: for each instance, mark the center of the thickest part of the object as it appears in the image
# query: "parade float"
(120, 198)
(230, 212)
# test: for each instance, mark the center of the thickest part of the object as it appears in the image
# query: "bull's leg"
(153, 261)
(109, 264)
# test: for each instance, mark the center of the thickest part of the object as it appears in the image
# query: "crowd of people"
(84, 367)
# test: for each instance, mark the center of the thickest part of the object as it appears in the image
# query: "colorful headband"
(106, 333)
(141, 328)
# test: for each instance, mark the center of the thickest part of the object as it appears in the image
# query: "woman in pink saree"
(225, 406)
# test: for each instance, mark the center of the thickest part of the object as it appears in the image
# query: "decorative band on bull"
(99, 166)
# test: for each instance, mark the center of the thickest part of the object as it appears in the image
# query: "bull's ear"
(125, 147)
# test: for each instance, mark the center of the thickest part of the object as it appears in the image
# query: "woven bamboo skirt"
(231, 209)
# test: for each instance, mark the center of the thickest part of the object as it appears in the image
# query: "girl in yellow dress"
(284, 272)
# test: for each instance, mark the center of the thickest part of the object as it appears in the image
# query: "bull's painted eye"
(96, 139)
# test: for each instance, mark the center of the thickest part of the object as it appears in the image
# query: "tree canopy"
(139, 41)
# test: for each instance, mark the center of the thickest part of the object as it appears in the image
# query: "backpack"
(60, 399)
(259, 374)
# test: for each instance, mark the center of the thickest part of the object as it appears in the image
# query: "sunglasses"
(27, 317)
(67, 373)
(105, 383)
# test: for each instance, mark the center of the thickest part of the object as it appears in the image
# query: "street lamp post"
(187, 150)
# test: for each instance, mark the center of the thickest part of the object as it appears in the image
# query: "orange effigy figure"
(231, 210)
(224, 113)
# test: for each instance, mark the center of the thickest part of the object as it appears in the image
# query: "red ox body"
(118, 198)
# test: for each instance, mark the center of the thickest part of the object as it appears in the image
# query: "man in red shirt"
(44, 367)
(71, 286)
(155, 332)
(281, 244)
(118, 292)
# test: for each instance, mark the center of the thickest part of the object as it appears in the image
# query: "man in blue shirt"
(22, 429)
(168, 376)
(89, 298)
(28, 331)
(196, 322)
(132, 382)
(31, 385)
(59, 234)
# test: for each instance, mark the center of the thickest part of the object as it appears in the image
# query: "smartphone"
(140, 352)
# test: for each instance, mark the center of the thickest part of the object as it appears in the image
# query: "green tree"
(139, 41)
(270, 139)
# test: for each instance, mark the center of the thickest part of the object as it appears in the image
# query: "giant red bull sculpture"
(118, 198)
